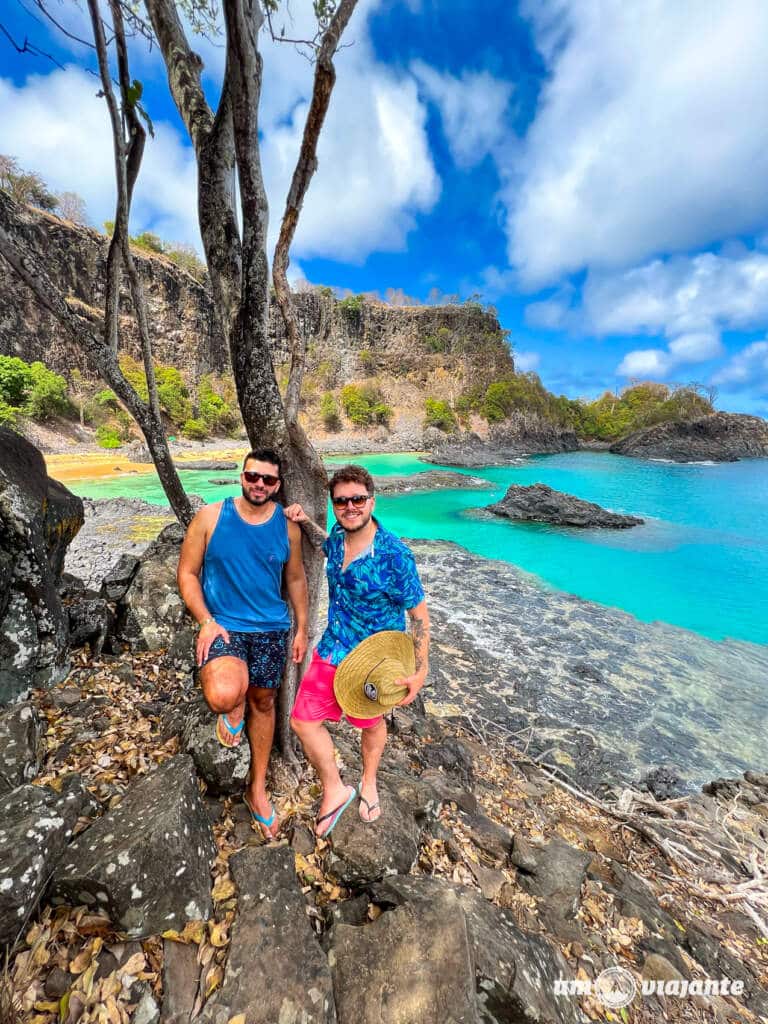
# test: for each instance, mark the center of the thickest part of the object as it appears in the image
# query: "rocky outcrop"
(520, 434)
(37, 824)
(348, 341)
(276, 970)
(21, 733)
(151, 612)
(541, 504)
(38, 519)
(147, 862)
(432, 480)
(721, 437)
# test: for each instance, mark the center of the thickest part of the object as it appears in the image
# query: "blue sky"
(596, 171)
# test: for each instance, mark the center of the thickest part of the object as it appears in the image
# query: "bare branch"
(325, 78)
(28, 47)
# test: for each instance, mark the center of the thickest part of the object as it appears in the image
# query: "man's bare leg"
(260, 727)
(372, 744)
(318, 746)
(224, 682)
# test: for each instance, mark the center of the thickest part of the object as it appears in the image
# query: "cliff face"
(445, 347)
(721, 437)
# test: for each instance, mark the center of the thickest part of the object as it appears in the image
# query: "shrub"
(172, 394)
(325, 291)
(195, 430)
(367, 360)
(106, 398)
(217, 411)
(15, 380)
(48, 394)
(365, 405)
(439, 414)
(329, 411)
(438, 342)
(7, 414)
(149, 241)
(352, 306)
(107, 437)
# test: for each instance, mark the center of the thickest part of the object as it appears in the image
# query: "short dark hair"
(265, 455)
(351, 474)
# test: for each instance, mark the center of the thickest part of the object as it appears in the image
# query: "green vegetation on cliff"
(30, 389)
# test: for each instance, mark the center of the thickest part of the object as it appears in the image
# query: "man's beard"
(363, 522)
(258, 502)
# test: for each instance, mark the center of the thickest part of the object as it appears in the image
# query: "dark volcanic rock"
(215, 465)
(38, 519)
(151, 612)
(21, 733)
(276, 970)
(90, 621)
(35, 825)
(147, 862)
(432, 480)
(470, 451)
(426, 943)
(119, 577)
(721, 437)
(225, 769)
(541, 504)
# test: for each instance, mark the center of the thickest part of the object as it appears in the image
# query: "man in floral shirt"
(372, 584)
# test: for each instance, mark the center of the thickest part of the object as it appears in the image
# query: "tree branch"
(325, 78)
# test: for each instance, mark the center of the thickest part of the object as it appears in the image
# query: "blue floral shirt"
(371, 594)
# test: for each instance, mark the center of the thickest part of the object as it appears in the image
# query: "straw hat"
(364, 683)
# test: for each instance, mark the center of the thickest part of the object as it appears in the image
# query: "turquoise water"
(700, 561)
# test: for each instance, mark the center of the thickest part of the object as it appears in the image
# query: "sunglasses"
(356, 501)
(253, 478)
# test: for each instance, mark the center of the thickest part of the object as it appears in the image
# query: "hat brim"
(354, 669)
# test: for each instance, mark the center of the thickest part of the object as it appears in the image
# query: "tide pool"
(700, 561)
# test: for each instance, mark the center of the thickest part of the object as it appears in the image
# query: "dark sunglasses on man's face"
(356, 501)
(253, 478)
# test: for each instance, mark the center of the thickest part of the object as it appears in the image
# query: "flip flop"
(334, 815)
(235, 731)
(265, 824)
(371, 807)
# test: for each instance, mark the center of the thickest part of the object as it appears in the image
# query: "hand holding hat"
(366, 681)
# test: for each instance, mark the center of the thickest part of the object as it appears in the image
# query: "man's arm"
(296, 585)
(296, 514)
(419, 616)
(188, 578)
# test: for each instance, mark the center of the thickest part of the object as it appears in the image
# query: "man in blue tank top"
(230, 575)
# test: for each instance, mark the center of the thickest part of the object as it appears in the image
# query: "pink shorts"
(316, 701)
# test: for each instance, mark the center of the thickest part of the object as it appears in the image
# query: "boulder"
(225, 769)
(181, 978)
(515, 972)
(494, 840)
(215, 465)
(119, 577)
(151, 612)
(90, 621)
(541, 504)
(146, 862)
(706, 948)
(363, 851)
(720, 437)
(21, 734)
(555, 872)
(38, 519)
(36, 824)
(414, 963)
(276, 970)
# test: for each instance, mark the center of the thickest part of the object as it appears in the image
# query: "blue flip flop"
(264, 823)
(335, 814)
(234, 731)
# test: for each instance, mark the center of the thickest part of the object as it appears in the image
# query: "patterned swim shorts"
(263, 653)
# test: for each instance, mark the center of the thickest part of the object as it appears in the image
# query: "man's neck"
(254, 513)
(360, 539)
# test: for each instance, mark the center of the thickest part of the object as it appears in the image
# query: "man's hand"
(205, 638)
(414, 684)
(296, 513)
(300, 642)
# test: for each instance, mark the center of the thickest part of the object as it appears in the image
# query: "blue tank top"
(243, 572)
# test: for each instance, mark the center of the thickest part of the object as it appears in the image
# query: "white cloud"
(472, 108)
(649, 135)
(525, 361)
(647, 362)
(747, 370)
(71, 147)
